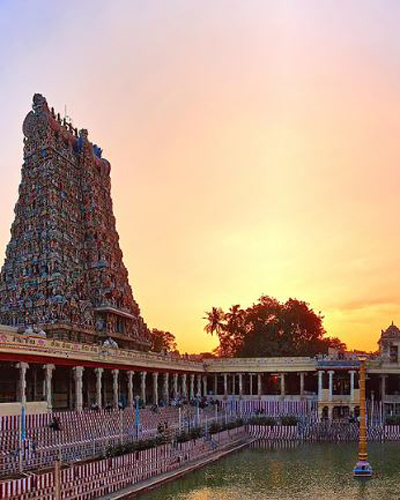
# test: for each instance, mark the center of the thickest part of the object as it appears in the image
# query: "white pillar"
(130, 374)
(191, 386)
(99, 385)
(198, 392)
(330, 373)
(352, 372)
(23, 367)
(143, 387)
(115, 374)
(240, 385)
(205, 391)
(225, 384)
(166, 388)
(48, 386)
(184, 386)
(78, 374)
(259, 387)
(175, 385)
(282, 376)
(301, 384)
(155, 388)
(320, 384)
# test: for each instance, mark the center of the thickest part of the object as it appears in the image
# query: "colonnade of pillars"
(187, 386)
(255, 384)
(331, 373)
(352, 383)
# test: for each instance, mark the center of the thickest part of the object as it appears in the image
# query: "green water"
(320, 471)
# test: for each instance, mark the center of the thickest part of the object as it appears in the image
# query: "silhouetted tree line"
(270, 328)
(162, 341)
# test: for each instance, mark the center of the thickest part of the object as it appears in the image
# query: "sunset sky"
(255, 147)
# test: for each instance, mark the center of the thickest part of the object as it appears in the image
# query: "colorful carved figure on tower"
(63, 271)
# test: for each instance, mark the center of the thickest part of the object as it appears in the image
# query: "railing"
(86, 435)
(103, 477)
(55, 444)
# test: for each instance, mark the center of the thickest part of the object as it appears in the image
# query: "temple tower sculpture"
(63, 272)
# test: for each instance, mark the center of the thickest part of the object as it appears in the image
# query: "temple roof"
(392, 331)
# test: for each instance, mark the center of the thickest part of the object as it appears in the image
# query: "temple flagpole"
(362, 468)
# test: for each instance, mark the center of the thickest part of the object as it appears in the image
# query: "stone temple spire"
(63, 271)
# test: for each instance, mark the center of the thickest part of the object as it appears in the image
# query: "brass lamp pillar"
(362, 468)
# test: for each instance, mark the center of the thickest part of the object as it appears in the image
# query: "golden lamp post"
(362, 468)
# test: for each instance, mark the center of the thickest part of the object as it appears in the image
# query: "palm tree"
(215, 321)
(235, 317)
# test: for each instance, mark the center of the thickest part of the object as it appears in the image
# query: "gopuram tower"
(63, 271)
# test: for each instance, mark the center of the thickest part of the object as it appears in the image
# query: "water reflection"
(290, 471)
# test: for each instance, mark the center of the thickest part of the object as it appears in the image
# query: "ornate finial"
(38, 102)
(38, 117)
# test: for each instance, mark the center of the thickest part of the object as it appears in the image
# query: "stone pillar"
(215, 385)
(166, 388)
(198, 392)
(130, 374)
(251, 384)
(233, 378)
(115, 374)
(302, 384)
(47, 384)
(330, 373)
(320, 384)
(191, 386)
(78, 374)
(240, 385)
(259, 387)
(184, 385)
(23, 367)
(205, 391)
(352, 372)
(225, 384)
(175, 385)
(282, 376)
(155, 388)
(99, 386)
(143, 387)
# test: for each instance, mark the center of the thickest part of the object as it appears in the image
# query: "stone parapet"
(18, 346)
(246, 365)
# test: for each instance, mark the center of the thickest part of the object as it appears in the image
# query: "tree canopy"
(162, 341)
(270, 328)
